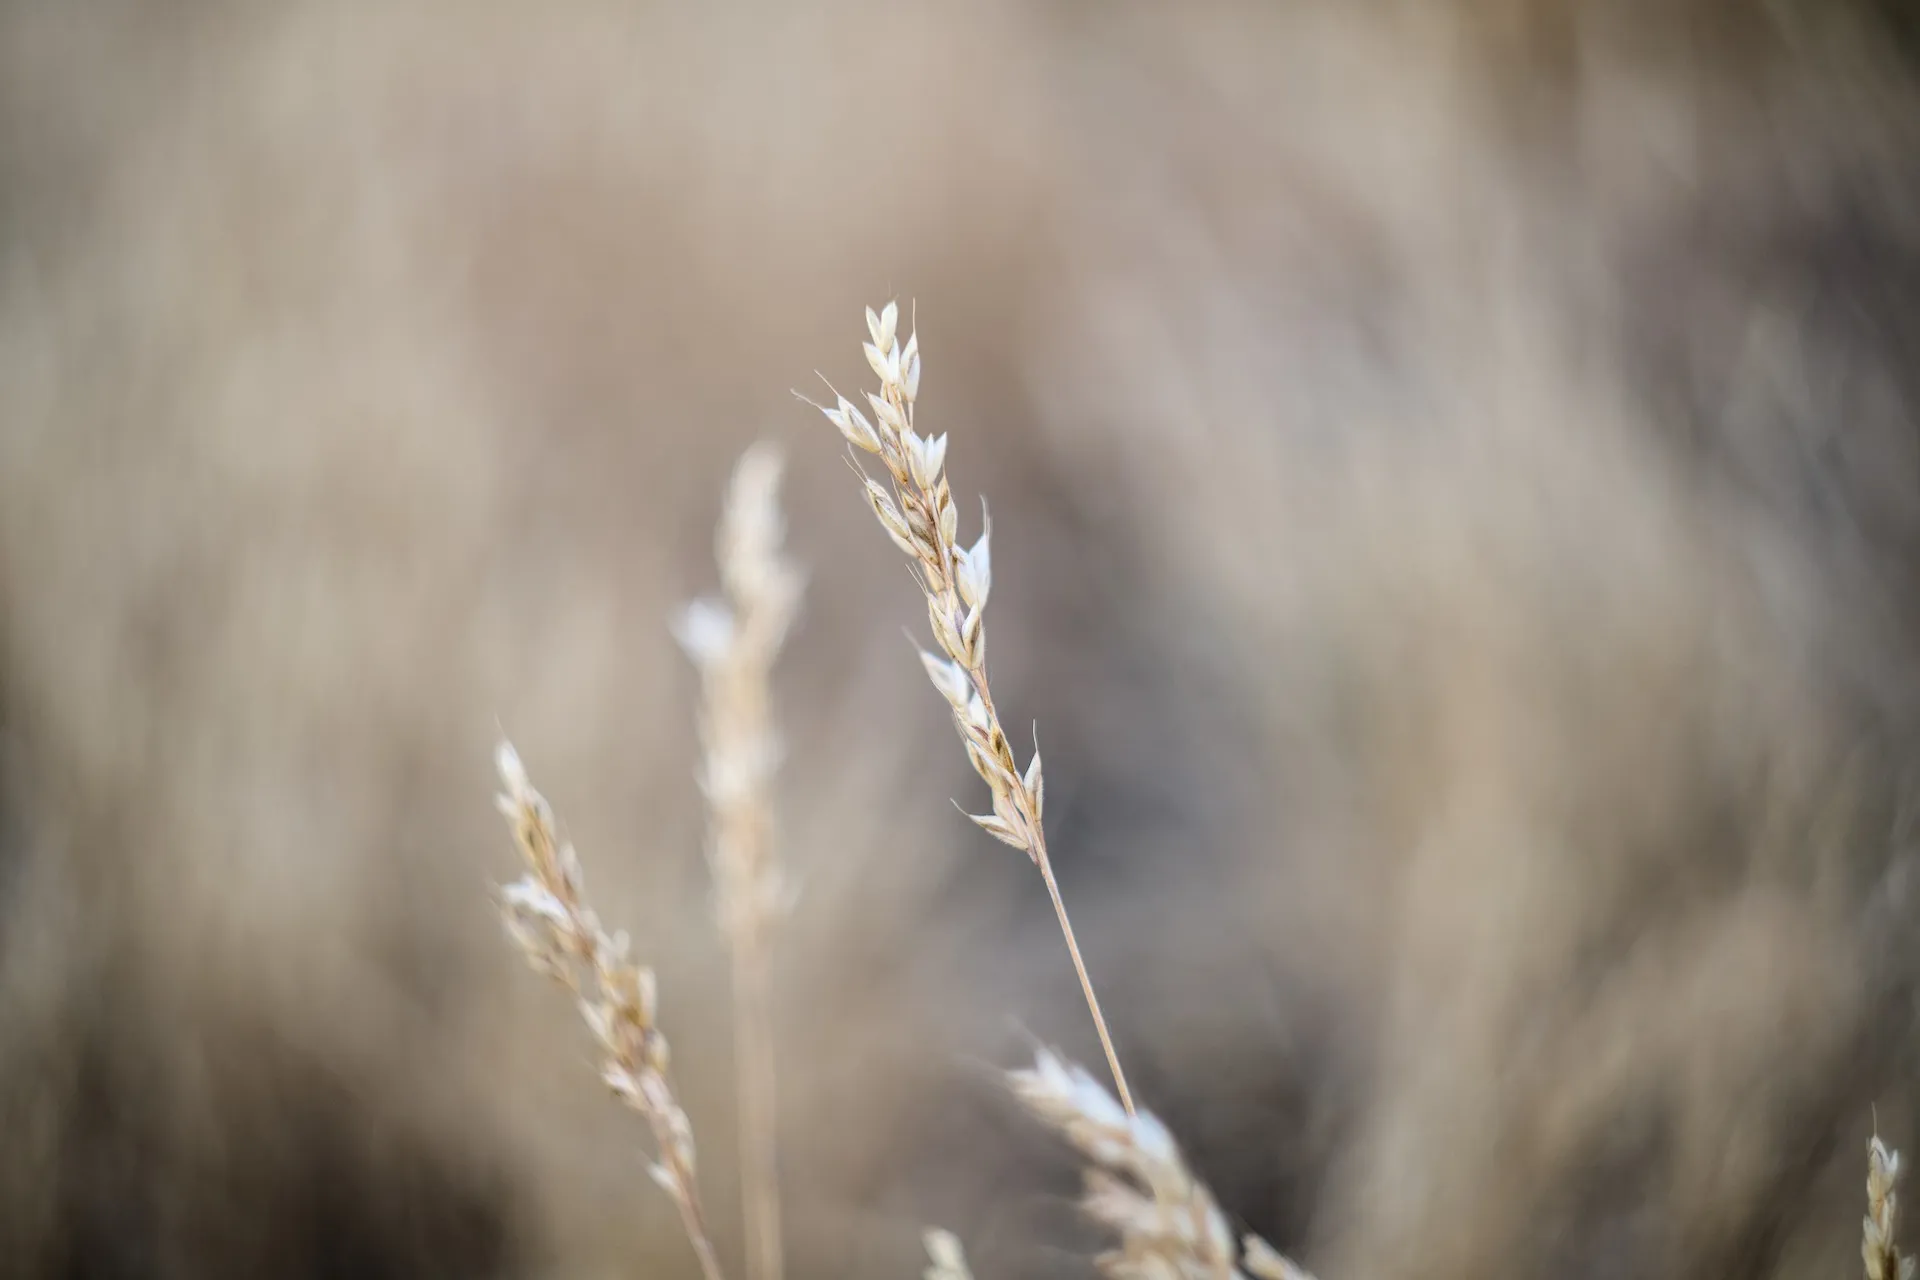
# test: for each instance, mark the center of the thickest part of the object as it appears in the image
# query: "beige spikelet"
(1169, 1226)
(945, 1259)
(1878, 1250)
(919, 513)
(546, 914)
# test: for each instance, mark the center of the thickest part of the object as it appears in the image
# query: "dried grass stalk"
(733, 643)
(1877, 1249)
(1170, 1228)
(547, 916)
(919, 514)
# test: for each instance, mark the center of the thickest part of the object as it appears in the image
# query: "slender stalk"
(1086, 982)
(691, 1219)
(733, 642)
(702, 1246)
(1036, 849)
(759, 1152)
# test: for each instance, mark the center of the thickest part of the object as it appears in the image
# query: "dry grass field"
(1455, 498)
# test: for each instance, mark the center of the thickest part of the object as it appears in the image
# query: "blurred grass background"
(1456, 498)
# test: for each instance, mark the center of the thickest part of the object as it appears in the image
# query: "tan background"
(1455, 493)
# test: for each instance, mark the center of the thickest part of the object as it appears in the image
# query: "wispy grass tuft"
(918, 512)
(546, 913)
(1169, 1225)
(1878, 1249)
